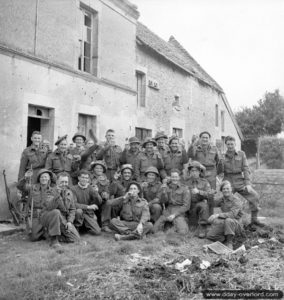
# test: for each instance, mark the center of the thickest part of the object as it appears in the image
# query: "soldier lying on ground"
(226, 224)
(134, 215)
(176, 197)
(200, 190)
(151, 189)
(87, 202)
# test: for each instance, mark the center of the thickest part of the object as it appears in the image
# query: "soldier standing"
(61, 161)
(110, 153)
(33, 156)
(237, 172)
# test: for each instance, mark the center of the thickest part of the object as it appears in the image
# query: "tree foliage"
(265, 118)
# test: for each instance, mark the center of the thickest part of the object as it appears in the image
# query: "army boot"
(254, 220)
(229, 241)
(202, 231)
(125, 237)
(54, 242)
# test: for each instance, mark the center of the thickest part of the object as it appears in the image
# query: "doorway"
(33, 125)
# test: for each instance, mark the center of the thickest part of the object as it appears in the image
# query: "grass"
(100, 268)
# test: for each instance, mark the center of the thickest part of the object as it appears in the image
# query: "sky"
(240, 43)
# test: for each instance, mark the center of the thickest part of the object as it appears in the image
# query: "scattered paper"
(70, 284)
(205, 265)
(218, 248)
(261, 241)
(241, 249)
(181, 266)
(59, 273)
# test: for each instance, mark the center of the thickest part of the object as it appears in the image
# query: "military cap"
(98, 163)
(42, 171)
(60, 139)
(152, 170)
(133, 140)
(196, 164)
(200, 135)
(78, 134)
(149, 140)
(174, 137)
(127, 166)
(138, 186)
(160, 135)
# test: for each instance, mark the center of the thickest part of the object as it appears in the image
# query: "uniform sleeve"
(116, 201)
(85, 155)
(191, 151)
(218, 161)
(246, 169)
(48, 163)
(123, 157)
(205, 193)
(186, 202)
(72, 210)
(164, 195)
(95, 197)
(145, 216)
(23, 165)
(160, 162)
(184, 157)
(116, 189)
(101, 153)
(235, 212)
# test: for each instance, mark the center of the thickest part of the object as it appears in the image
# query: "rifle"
(14, 212)
(30, 202)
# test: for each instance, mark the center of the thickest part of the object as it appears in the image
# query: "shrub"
(271, 152)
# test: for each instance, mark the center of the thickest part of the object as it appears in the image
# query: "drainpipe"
(36, 21)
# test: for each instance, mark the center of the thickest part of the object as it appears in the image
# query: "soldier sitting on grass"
(226, 224)
(134, 215)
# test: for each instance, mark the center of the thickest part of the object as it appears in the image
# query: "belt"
(233, 173)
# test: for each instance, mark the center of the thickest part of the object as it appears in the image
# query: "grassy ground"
(100, 268)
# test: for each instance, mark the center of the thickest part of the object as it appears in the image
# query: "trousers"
(87, 220)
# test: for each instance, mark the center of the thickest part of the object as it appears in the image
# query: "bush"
(271, 152)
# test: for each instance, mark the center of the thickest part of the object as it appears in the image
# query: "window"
(177, 132)
(87, 60)
(216, 115)
(141, 89)
(223, 120)
(85, 123)
(142, 133)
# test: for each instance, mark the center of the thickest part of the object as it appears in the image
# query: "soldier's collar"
(230, 153)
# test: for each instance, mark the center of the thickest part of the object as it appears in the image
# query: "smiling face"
(134, 147)
(90, 143)
(36, 139)
(175, 177)
(62, 146)
(98, 170)
(110, 137)
(149, 147)
(84, 179)
(205, 139)
(126, 174)
(174, 145)
(79, 141)
(161, 142)
(227, 190)
(62, 182)
(44, 178)
(231, 146)
(151, 177)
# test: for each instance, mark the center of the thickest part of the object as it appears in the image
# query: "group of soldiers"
(145, 188)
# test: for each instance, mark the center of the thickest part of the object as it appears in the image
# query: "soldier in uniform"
(150, 157)
(110, 153)
(237, 172)
(134, 216)
(175, 157)
(161, 139)
(208, 155)
(226, 224)
(79, 141)
(132, 155)
(200, 191)
(151, 189)
(176, 197)
(58, 214)
(87, 202)
(61, 161)
(33, 156)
